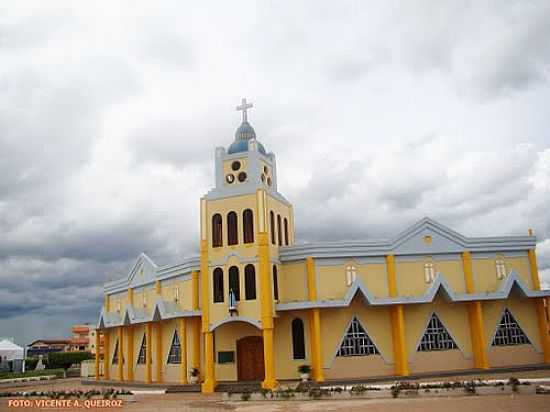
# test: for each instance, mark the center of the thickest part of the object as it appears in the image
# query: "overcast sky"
(379, 113)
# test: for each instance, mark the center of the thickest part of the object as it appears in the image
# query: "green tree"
(66, 359)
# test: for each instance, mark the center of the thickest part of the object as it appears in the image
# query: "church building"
(254, 305)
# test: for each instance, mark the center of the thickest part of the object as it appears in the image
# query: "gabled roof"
(440, 286)
(410, 242)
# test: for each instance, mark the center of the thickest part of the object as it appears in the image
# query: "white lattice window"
(356, 342)
(436, 337)
(500, 267)
(429, 272)
(118, 306)
(144, 299)
(509, 332)
(351, 274)
(174, 356)
(176, 294)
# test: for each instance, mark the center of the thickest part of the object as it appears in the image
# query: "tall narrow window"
(275, 283)
(115, 354)
(501, 267)
(279, 230)
(509, 332)
(234, 282)
(429, 271)
(357, 342)
(272, 226)
(218, 285)
(286, 231)
(142, 357)
(250, 282)
(174, 356)
(248, 226)
(351, 274)
(232, 230)
(436, 337)
(298, 343)
(217, 231)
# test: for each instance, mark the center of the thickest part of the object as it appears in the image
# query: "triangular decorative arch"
(174, 356)
(142, 357)
(356, 341)
(509, 332)
(436, 337)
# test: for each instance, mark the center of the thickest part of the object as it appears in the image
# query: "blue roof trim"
(131, 316)
(391, 246)
(512, 284)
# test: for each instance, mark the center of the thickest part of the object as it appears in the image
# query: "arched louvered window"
(234, 282)
(218, 285)
(275, 283)
(217, 231)
(272, 226)
(298, 342)
(232, 229)
(286, 231)
(279, 230)
(248, 226)
(500, 267)
(250, 282)
(429, 271)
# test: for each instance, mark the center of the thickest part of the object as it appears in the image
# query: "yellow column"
(130, 353)
(266, 309)
(148, 351)
(209, 383)
(541, 317)
(397, 323)
(97, 354)
(475, 316)
(196, 324)
(182, 324)
(120, 365)
(106, 355)
(158, 352)
(316, 349)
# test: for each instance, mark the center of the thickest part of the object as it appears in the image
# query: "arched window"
(272, 226)
(248, 226)
(232, 230)
(298, 344)
(351, 274)
(286, 231)
(234, 284)
(279, 230)
(429, 271)
(275, 283)
(217, 238)
(501, 267)
(250, 282)
(218, 285)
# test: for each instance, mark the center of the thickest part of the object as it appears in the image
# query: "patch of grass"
(44, 372)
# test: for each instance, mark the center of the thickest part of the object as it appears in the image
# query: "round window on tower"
(230, 178)
(242, 177)
(236, 165)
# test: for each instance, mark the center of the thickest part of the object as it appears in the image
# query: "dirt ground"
(196, 402)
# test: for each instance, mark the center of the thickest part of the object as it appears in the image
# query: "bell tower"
(244, 222)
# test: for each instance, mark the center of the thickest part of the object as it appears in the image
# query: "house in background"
(45, 346)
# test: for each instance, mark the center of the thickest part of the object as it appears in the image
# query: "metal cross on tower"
(244, 106)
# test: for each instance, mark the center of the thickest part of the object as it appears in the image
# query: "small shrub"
(514, 383)
(304, 369)
(245, 396)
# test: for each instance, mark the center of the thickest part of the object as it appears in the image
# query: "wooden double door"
(250, 358)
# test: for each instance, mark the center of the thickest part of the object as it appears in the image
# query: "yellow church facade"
(254, 305)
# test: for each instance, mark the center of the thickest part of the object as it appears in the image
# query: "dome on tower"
(244, 133)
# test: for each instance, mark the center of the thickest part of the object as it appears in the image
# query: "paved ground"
(195, 402)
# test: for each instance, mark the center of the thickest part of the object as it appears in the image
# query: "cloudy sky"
(379, 113)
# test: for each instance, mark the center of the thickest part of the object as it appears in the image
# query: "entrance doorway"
(250, 358)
